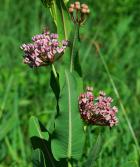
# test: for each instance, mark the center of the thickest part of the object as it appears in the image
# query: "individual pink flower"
(44, 50)
(97, 111)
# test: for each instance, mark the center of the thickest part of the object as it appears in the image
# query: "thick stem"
(76, 37)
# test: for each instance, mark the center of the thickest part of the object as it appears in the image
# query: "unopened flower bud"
(84, 6)
(77, 7)
(84, 11)
(72, 6)
(80, 14)
(89, 88)
(77, 3)
(71, 10)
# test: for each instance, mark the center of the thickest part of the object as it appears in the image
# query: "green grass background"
(114, 26)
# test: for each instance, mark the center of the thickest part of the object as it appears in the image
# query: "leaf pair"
(68, 137)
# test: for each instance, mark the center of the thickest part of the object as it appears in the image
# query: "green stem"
(76, 37)
(69, 164)
(54, 71)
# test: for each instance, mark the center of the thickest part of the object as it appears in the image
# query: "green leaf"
(35, 131)
(63, 23)
(94, 153)
(40, 140)
(38, 158)
(68, 138)
(62, 20)
(60, 16)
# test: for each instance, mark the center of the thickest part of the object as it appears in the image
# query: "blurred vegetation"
(114, 27)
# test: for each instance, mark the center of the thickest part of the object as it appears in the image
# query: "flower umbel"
(44, 50)
(99, 112)
(79, 12)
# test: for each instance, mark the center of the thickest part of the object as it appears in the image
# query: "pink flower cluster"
(97, 111)
(44, 50)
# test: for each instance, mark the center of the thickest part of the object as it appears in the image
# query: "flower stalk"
(54, 71)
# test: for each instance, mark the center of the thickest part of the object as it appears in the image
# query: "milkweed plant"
(76, 108)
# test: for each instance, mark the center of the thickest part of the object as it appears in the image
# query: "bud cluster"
(44, 50)
(99, 111)
(78, 12)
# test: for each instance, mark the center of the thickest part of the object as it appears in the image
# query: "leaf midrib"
(69, 112)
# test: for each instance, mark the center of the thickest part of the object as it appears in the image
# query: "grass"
(114, 27)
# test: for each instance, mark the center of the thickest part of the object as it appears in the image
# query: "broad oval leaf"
(40, 141)
(68, 138)
(35, 131)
